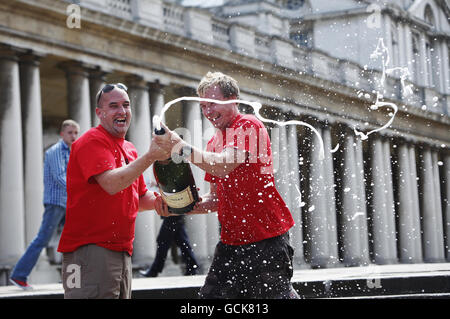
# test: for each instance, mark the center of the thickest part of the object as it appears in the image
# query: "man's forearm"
(147, 202)
(113, 181)
(217, 164)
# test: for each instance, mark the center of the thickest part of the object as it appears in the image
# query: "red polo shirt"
(250, 208)
(93, 216)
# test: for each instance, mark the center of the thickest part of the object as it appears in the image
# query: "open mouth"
(120, 121)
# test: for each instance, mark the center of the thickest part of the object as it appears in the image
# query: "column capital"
(345, 127)
(401, 140)
(31, 57)
(186, 91)
(135, 81)
(423, 146)
(8, 52)
(75, 67)
(312, 120)
(97, 73)
(156, 86)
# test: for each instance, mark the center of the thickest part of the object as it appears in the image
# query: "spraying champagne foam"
(256, 107)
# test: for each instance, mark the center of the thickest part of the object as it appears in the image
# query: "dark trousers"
(172, 229)
(258, 270)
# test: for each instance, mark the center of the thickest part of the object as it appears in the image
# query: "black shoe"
(148, 272)
(192, 271)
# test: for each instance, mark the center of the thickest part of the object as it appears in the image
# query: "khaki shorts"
(92, 271)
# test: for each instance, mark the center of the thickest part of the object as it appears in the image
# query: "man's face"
(69, 134)
(220, 115)
(115, 112)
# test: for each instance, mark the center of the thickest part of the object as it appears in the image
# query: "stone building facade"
(383, 200)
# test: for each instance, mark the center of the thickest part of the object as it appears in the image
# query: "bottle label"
(179, 199)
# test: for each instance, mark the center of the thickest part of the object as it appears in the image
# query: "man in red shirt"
(105, 191)
(253, 258)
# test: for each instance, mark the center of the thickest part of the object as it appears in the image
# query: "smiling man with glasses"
(105, 191)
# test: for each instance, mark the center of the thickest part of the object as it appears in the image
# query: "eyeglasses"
(109, 87)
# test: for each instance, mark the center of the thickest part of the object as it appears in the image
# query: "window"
(434, 64)
(302, 38)
(294, 4)
(416, 57)
(428, 15)
(395, 48)
(428, 63)
(448, 75)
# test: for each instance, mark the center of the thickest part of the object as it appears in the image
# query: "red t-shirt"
(250, 208)
(92, 215)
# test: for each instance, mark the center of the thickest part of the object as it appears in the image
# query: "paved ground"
(375, 281)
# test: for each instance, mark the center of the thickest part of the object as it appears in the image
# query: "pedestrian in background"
(55, 197)
(172, 231)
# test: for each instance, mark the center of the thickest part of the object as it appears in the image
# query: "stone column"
(30, 85)
(274, 133)
(361, 199)
(390, 206)
(279, 143)
(415, 198)
(78, 95)
(433, 241)
(212, 220)
(446, 201)
(354, 234)
(139, 134)
(156, 95)
(316, 210)
(12, 237)
(96, 83)
(329, 184)
(438, 200)
(192, 133)
(410, 246)
(295, 196)
(383, 219)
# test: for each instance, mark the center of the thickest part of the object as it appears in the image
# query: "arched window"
(416, 57)
(428, 15)
(395, 48)
(429, 63)
(432, 56)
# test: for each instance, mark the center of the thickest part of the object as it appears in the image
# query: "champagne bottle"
(176, 183)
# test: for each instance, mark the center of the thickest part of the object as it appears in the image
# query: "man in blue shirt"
(55, 197)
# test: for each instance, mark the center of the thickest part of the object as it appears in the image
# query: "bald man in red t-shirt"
(253, 258)
(105, 191)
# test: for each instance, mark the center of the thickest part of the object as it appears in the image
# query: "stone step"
(374, 281)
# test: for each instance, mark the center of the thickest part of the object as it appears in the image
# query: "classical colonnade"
(383, 200)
